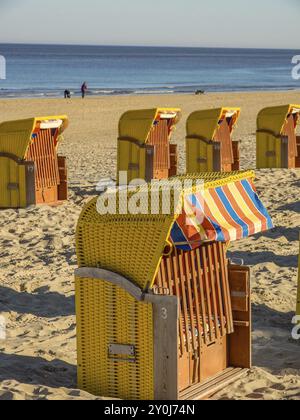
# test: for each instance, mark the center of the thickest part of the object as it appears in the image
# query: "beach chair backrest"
(223, 136)
(159, 139)
(199, 279)
(42, 151)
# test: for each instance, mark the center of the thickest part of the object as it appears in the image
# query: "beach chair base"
(281, 151)
(55, 194)
(181, 369)
(209, 388)
(211, 157)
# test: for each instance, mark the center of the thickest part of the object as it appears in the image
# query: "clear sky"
(220, 23)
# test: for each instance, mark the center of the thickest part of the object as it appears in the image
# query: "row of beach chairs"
(145, 151)
(162, 312)
(32, 172)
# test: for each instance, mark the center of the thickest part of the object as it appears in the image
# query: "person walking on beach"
(84, 90)
(67, 94)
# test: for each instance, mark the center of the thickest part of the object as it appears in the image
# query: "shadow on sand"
(37, 371)
(264, 258)
(42, 304)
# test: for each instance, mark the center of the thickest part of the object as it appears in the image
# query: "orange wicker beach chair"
(277, 143)
(161, 312)
(209, 145)
(144, 149)
(31, 172)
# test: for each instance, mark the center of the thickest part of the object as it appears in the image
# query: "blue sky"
(226, 23)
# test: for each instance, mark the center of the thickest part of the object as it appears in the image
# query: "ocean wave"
(152, 92)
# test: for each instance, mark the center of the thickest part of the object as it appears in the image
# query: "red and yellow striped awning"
(225, 212)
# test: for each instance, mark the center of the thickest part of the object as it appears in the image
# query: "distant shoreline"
(138, 92)
(47, 70)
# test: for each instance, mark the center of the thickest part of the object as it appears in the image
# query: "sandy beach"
(37, 251)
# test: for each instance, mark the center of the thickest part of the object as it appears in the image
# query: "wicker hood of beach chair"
(31, 172)
(144, 148)
(161, 312)
(209, 145)
(278, 145)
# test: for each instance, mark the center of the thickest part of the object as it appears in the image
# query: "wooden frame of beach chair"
(214, 317)
(31, 172)
(277, 143)
(157, 322)
(144, 149)
(209, 144)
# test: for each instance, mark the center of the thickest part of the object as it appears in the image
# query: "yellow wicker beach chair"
(161, 312)
(209, 145)
(144, 149)
(31, 172)
(277, 143)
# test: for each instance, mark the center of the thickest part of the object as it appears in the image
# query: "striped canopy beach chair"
(161, 312)
(144, 148)
(31, 172)
(277, 143)
(209, 145)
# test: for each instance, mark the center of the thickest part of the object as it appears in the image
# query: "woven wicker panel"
(129, 245)
(108, 315)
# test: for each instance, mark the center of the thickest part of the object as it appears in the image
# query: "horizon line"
(144, 46)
